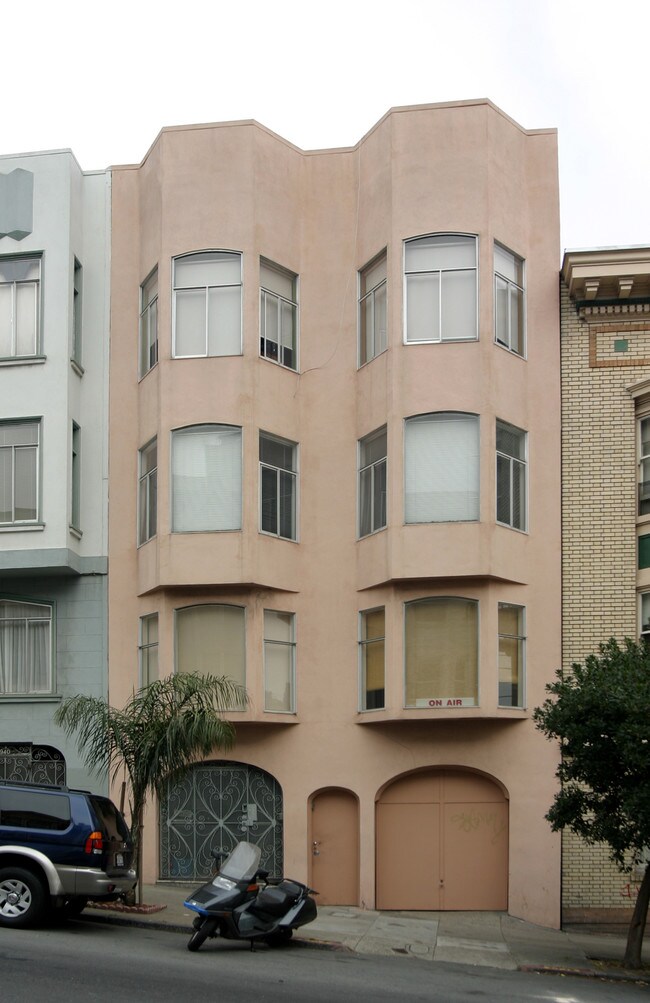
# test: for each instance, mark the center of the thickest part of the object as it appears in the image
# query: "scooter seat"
(275, 901)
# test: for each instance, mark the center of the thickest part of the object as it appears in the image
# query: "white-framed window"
(512, 655)
(19, 472)
(372, 309)
(148, 492)
(75, 476)
(20, 306)
(441, 652)
(372, 631)
(512, 475)
(441, 467)
(148, 335)
(77, 312)
(509, 300)
(211, 640)
(278, 315)
(644, 615)
(644, 465)
(148, 649)
(206, 478)
(278, 486)
(440, 297)
(372, 482)
(279, 662)
(25, 648)
(207, 304)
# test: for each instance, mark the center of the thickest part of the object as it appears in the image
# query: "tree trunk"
(635, 933)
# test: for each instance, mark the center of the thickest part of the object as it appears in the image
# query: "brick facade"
(604, 351)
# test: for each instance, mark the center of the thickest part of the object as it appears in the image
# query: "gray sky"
(104, 79)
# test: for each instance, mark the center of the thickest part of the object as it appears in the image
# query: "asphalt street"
(101, 963)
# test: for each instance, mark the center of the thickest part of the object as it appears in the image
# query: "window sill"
(32, 527)
(78, 368)
(29, 698)
(276, 536)
(23, 360)
(75, 532)
(510, 351)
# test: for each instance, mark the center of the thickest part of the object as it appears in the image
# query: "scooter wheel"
(199, 936)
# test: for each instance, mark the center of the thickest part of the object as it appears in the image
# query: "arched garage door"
(442, 843)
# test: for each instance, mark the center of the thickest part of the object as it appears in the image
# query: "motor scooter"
(241, 903)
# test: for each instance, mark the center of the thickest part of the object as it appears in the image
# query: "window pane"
(288, 339)
(379, 489)
(287, 505)
(441, 652)
(442, 468)
(224, 321)
(365, 501)
(458, 305)
(379, 298)
(440, 251)
(26, 319)
(423, 307)
(278, 677)
(269, 504)
(372, 448)
(6, 311)
(372, 659)
(373, 275)
(190, 323)
(516, 320)
(277, 281)
(6, 485)
(206, 478)
(210, 640)
(501, 311)
(207, 269)
(25, 648)
(518, 495)
(25, 503)
(503, 489)
(278, 626)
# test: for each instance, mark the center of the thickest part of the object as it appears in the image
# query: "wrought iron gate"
(32, 764)
(214, 807)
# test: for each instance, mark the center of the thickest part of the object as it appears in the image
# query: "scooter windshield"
(242, 863)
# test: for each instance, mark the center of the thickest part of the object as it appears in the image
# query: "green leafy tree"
(162, 729)
(600, 714)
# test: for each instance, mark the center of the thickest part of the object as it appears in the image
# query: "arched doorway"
(334, 846)
(213, 807)
(442, 842)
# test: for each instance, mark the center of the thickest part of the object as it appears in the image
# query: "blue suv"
(59, 848)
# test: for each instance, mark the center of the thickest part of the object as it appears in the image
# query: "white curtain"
(25, 646)
(442, 468)
(206, 478)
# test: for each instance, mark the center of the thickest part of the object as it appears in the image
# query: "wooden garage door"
(442, 843)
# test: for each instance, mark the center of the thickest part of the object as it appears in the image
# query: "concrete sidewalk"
(492, 939)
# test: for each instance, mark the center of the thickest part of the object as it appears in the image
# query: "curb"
(587, 973)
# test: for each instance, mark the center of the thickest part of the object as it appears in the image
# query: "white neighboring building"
(54, 310)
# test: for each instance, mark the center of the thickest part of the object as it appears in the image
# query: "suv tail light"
(94, 843)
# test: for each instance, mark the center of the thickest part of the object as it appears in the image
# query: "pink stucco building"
(335, 477)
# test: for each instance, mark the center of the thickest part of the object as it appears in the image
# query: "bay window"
(372, 482)
(211, 640)
(372, 309)
(278, 315)
(372, 631)
(511, 476)
(512, 643)
(279, 661)
(441, 652)
(441, 279)
(278, 486)
(441, 467)
(207, 304)
(509, 300)
(206, 478)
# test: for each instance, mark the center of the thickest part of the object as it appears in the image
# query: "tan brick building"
(605, 351)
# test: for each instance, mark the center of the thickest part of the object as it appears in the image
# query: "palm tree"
(163, 728)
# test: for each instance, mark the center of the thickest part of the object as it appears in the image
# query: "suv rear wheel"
(22, 897)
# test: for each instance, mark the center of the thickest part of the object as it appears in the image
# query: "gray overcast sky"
(103, 79)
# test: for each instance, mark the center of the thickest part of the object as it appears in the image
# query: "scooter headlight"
(220, 882)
